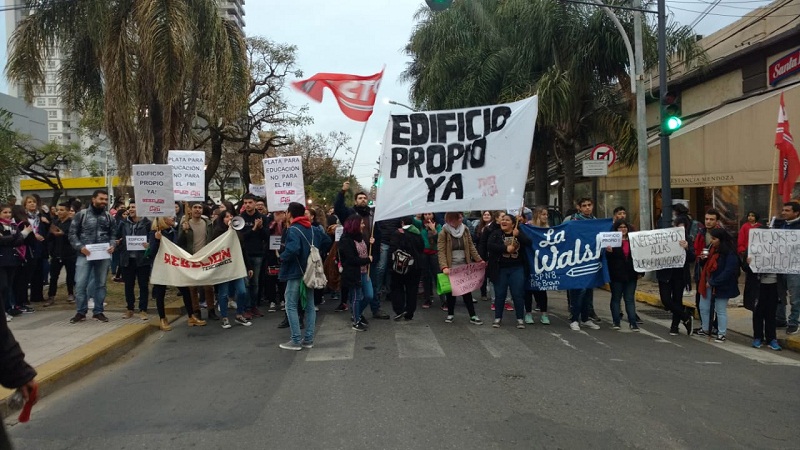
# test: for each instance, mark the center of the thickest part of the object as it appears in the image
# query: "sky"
(362, 36)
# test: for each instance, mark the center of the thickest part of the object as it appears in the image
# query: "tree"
(487, 52)
(142, 67)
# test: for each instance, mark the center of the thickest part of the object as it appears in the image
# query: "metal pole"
(641, 122)
(358, 147)
(666, 189)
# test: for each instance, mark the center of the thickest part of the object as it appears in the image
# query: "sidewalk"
(740, 320)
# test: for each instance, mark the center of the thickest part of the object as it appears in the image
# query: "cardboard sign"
(258, 190)
(152, 187)
(135, 243)
(774, 251)
(283, 180)
(610, 239)
(274, 242)
(467, 277)
(657, 249)
(98, 251)
(188, 174)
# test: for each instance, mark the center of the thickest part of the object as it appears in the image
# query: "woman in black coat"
(623, 277)
(672, 282)
(354, 258)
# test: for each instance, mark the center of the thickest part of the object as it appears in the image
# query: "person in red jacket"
(744, 233)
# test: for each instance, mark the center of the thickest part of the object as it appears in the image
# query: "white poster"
(152, 188)
(657, 249)
(135, 243)
(610, 239)
(98, 251)
(219, 261)
(774, 251)
(274, 242)
(258, 189)
(188, 174)
(283, 179)
(459, 160)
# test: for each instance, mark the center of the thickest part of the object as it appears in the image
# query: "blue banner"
(567, 256)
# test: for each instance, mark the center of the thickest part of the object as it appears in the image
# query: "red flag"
(355, 94)
(789, 162)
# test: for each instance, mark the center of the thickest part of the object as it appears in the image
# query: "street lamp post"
(392, 102)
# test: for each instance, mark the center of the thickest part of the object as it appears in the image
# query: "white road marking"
(334, 341)
(417, 342)
(502, 342)
(563, 341)
(658, 338)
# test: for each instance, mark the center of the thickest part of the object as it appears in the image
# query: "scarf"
(33, 219)
(303, 221)
(455, 232)
(709, 267)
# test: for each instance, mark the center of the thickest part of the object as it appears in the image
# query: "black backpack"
(405, 255)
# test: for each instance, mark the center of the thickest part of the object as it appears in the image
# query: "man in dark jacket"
(405, 249)
(15, 373)
(254, 235)
(135, 265)
(62, 255)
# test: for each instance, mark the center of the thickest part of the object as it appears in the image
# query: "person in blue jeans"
(623, 277)
(718, 281)
(355, 259)
(234, 288)
(507, 268)
(300, 236)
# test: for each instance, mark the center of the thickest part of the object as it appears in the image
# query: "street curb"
(81, 361)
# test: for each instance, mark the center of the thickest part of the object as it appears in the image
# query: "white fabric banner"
(188, 174)
(283, 178)
(152, 188)
(459, 160)
(219, 261)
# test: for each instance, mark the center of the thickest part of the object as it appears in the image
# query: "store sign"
(703, 180)
(784, 67)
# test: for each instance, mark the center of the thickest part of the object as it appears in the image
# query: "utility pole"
(666, 189)
(641, 122)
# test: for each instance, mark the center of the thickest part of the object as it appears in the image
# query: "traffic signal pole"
(666, 188)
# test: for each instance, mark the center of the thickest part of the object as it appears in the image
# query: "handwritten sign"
(610, 239)
(338, 233)
(283, 180)
(135, 243)
(657, 249)
(152, 187)
(98, 251)
(258, 190)
(188, 174)
(274, 242)
(513, 204)
(467, 277)
(774, 251)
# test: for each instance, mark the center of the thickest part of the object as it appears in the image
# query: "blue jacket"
(297, 248)
(724, 280)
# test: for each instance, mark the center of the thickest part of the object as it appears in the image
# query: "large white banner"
(459, 160)
(657, 249)
(188, 174)
(283, 178)
(152, 189)
(219, 261)
(774, 251)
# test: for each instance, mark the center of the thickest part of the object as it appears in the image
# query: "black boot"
(284, 323)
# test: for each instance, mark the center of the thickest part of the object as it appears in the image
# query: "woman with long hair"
(164, 228)
(671, 283)
(33, 276)
(12, 249)
(456, 248)
(718, 281)
(355, 260)
(540, 219)
(25, 251)
(623, 277)
(236, 287)
(507, 267)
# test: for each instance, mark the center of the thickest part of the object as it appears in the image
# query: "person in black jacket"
(405, 249)
(671, 284)
(62, 255)
(15, 373)
(355, 259)
(623, 277)
(12, 242)
(504, 248)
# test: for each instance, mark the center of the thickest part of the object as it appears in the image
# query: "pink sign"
(467, 278)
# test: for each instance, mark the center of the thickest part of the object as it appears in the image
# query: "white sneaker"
(592, 325)
(496, 323)
(226, 324)
(520, 324)
(574, 326)
(232, 304)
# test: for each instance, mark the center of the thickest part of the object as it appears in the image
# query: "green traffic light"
(439, 5)
(673, 123)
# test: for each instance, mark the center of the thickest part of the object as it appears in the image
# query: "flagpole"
(358, 147)
(772, 183)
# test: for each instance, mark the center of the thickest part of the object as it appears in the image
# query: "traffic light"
(439, 5)
(670, 113)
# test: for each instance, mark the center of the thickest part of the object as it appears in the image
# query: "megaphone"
(237, 223)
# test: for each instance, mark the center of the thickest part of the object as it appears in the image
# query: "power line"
(728, 15)
(704, 14)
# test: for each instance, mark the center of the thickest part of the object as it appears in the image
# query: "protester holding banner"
(539, 218)
(236, 288)
(164, 228)
(585, 208)
(507, 267)
(136, 267)
(672, 281)
(62, 255)
(195, 232)
(428, 260)
(623, 277)
(487, 224)
(456, 248)
(405, 249)
(355, 260)
(718, 281)
(254, 235)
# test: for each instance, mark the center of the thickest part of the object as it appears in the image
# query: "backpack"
(332, 267)
(314, 275)
(401, 259)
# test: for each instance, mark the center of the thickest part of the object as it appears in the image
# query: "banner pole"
(772, 183)
(358, 147)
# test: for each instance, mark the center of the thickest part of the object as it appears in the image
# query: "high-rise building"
(232, 10)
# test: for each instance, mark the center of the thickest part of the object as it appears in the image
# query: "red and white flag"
(789, 162)
(356, 94)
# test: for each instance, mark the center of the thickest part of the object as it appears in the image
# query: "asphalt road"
(428, 384)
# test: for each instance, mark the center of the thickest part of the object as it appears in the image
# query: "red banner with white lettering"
(356, 94)
(789, 162)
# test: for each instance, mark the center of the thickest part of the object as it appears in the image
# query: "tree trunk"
(540, 180)
(212, 165)
(245, 170)
(569, 176)
(57, 193)
(157, 127)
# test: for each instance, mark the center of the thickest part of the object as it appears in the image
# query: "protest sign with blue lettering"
(568, 256)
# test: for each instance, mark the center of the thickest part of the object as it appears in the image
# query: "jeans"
(255, 265)
(293, 304)
(514, 278)
(136, 274)
(579, 304)
(55, 270)
(224, 290)
(793, 285)
(379, 276)
(404, 293)
(624, 290)
(359, 297)
(96, 271)
(764, 314)
(721, 308)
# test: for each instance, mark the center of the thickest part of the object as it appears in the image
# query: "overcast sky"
(361, 36)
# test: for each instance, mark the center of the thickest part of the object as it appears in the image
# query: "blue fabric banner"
(567, 256)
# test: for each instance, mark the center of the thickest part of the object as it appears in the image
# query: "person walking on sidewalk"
(136, 267)
(62, 255)
(195, 233)
(456, 248)
(300, 236)
(405, 249)
(92, 225)
(672, 282)
(718, 281)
